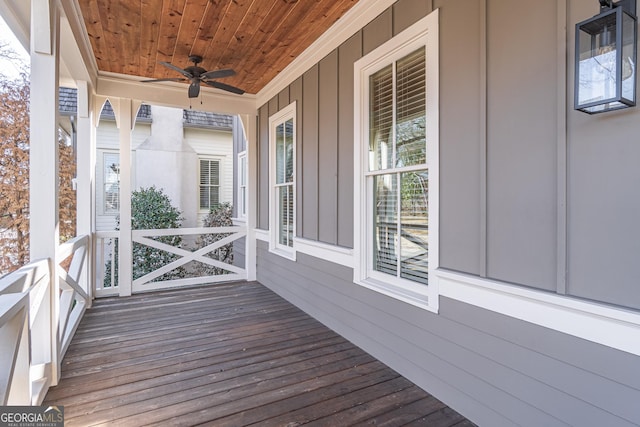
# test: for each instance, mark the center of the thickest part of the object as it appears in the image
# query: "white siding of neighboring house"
(214, 144)
(107, 141)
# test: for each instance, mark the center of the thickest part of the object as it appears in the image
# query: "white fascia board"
(76, 49)
(73, 64)
(174, 95)
(17, 15)
(356, 18)
(613, 327)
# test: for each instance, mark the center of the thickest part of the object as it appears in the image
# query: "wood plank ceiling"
(256, 38)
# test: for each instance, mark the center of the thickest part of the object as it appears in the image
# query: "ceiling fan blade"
(226, 87)
(178, 69)
(194, 90)
(217, 74)
(170, 79)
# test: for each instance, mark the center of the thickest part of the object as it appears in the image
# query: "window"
(209, 183)
(282, 141)
(397, 159)
(111, 183)
(242, 185)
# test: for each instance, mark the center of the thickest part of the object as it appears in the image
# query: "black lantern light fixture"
(606, 50)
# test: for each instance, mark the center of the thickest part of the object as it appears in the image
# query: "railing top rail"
(25, 277)
(187, 231)
(10, 304)
(107, 234)
(67, 248)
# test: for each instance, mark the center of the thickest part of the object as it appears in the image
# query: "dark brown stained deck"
(228, 355)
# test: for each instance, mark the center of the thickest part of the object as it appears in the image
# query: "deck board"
(228, 355)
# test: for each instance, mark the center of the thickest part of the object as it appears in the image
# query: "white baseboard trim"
(614, 327)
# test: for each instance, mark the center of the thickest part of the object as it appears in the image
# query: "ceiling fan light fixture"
(196, 75)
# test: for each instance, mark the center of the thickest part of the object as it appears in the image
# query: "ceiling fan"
(197, 75)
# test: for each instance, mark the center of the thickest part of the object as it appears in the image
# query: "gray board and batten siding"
(532, 194)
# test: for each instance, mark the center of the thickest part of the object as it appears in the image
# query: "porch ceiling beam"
(79, 57)
(17, 15)
(175, 95)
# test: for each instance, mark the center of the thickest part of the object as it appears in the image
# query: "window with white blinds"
(396, 159)
(242, 184)
(282, 139)
(398, 170)
(209, 183)
(111, 183)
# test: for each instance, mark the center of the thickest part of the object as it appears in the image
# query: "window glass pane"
(214, 171)
(243, 170)
(243, 201)
(204, 172)
(213, 196)
(111, 182)
(385, 223)
(628, 57)
(204, 198)
(381, 119)
(280, 152)
(285, 205)
(414, 226)
(209, 183)
(411, 144)
(289, 150)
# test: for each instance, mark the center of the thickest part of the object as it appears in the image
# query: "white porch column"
(251, 133)
(85, 176)
(43, 176)
(123, 110)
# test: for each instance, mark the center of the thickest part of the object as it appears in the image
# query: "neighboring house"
(189, 154)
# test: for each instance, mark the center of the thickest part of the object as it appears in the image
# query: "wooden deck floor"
(228, 355)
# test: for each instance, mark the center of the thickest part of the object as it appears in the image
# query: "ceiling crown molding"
(345, 27)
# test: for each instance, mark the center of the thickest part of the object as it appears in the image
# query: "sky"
(6, 35)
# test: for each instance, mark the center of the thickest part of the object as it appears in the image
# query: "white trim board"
(262, 235)
(613, 327)
(335, 254)
(324, 251)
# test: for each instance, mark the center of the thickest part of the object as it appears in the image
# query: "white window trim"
(422, 33)
(289, 252)
(242, 202)
(220, 160)
(335, 254)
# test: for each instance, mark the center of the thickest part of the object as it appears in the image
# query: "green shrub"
(219, 216)
(151, 209)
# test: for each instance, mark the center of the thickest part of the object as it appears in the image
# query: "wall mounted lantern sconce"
(606, 50)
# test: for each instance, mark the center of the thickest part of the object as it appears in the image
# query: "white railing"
(37, 320)
(105, 250)
(179, 255)
(224, 271)
(75, 289)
